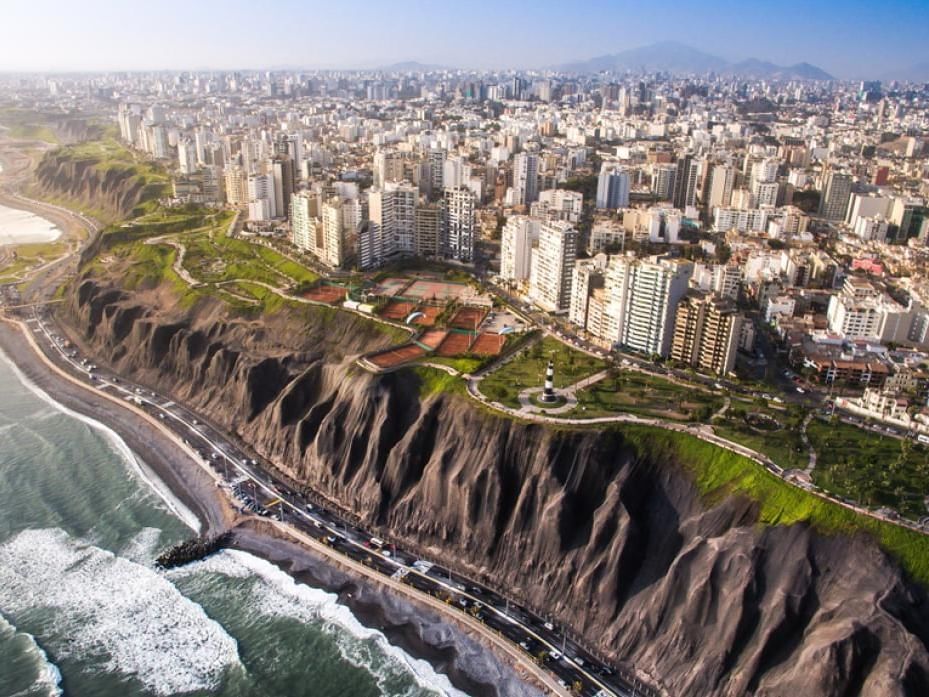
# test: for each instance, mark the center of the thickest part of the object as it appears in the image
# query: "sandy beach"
(450, 646)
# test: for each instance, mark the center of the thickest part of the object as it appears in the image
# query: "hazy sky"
(849, 38)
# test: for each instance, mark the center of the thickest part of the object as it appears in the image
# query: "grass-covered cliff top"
(718, 473)
(117, 171)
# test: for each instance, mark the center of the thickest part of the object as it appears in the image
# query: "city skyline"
(849, 41)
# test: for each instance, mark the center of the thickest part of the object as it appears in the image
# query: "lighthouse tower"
(548, 393)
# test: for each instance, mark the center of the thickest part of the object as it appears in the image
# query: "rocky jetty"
(192, 550)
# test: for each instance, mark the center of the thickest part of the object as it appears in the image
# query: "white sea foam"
(127, 616)
(18, 226)
(48, 680)
(141, 548)
(281, 596)
(119, 447)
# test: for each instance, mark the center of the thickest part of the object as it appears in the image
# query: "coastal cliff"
(109, 182)
(604, 530)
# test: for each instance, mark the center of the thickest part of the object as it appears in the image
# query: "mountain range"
(673, 57)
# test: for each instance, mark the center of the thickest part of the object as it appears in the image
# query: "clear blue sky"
(849, 38)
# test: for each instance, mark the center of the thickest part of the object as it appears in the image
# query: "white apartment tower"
(519, 235)
(457, 240)
(653, 289)
(525, 178)
(552, 266)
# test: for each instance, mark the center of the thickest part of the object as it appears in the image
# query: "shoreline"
(407, 622)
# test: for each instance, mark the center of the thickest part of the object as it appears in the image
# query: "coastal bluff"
(605, 532)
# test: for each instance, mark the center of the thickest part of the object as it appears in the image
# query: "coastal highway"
(255, 490)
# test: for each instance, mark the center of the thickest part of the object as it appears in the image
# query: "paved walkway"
(806, 441)
(569, 394)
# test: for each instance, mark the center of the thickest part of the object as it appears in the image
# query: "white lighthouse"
(548, 393)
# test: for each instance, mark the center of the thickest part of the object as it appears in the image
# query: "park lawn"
(527, 369)
(784, 446)
(871, 469)
(647, 395)
(719, 473)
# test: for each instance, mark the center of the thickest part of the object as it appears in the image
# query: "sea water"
(21, 227)
(84, 612)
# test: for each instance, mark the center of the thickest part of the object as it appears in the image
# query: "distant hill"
(673, 57)
(666, 56)
(755, 68)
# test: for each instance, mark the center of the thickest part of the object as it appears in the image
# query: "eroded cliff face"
(116, 188)
(609, 538)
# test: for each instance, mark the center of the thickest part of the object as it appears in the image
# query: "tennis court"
(455, 344)
(430, 312)
(468, 318)
(397, 310)
(432, 338)
(389, 287)
(442, 291)
(331, 295)
(488, 344)
(397, 356)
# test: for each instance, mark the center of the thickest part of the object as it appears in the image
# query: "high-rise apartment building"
(552, 266)
(457, 240)
(663, 177)
(525, 178)
(333, 252)
(653, 288)
(392, 219)
(427, 229)
(837, 191)
(236, 185)
(719, 187)
(685, 182)
(612, 187)
(706, 333)
(388, 167)
(519, 235)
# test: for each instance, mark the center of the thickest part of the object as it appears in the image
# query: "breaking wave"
(279, 595)
(127, 617)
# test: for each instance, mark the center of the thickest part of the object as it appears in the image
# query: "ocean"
(84, 612)
(22, 227)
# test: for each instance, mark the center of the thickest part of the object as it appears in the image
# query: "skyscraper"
(837, 191)
(653, 288)
(392, 217)
(663, 176)
(457, 240)
(612, 187)
(552, 266)
(519, 234)
(685, 182)
(706, 333)
(525, 178)
(719, 187)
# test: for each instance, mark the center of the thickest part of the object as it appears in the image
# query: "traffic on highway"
(256, 491)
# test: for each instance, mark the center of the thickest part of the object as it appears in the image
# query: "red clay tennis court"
(423, 289)
(430, 312)
(326, 294)
(468, 318)
(455, 344)
(397, 356)
(488, 344)
(432, 338)
(397, 310)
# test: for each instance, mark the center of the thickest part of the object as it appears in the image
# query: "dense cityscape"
(368, 304)
(670, 217)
